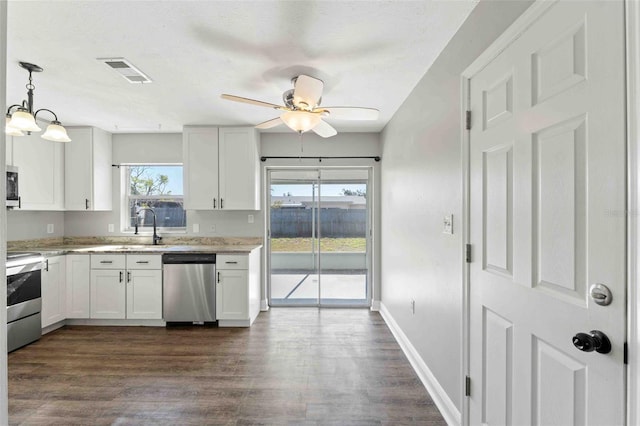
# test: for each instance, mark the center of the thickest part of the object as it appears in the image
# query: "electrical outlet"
(49, 228)
(250, 218)
(448, 224)
(212, 228)
(196, 228)
(111, 227)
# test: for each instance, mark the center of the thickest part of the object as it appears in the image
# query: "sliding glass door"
(318, 237)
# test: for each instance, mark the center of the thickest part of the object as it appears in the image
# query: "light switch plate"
(111, 227)
(448, 224)
(49, 228)
(250, 218)
(196, 228)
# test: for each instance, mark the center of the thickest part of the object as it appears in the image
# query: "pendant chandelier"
(20, 118)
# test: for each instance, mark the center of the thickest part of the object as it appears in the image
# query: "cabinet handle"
(19, 202)
(221, 206)
(218, 276)
(142, 261)
(231, 263)
(46, 265)
(214, 203)
(128, 276)
(106, 261)
(86, 204)
(121, 276)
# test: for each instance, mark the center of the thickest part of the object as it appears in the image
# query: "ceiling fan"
(302, 111)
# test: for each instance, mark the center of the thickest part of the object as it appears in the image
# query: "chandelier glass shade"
(9, 130)
(20, 118)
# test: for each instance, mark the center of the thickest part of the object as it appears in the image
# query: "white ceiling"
(369, 53)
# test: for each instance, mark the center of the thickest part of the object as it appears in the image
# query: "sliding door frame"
(370, 220)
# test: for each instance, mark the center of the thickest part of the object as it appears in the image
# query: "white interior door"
(547, 203)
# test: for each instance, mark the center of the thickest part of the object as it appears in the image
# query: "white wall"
(4, 395)
(421, 183)
(29, 225)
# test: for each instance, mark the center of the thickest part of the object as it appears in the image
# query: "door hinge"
(625, 355)
(467, 253)
(468, 120)
(467, 386)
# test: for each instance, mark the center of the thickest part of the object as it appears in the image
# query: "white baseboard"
(53, 327)
(375, 305)
(264, 305)
(446, 406)
(117, 322)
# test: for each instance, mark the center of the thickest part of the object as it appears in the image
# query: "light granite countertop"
(102, 245)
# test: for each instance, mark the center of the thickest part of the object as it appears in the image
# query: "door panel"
(547, 193)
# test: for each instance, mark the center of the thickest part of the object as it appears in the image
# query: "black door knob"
(594, 341)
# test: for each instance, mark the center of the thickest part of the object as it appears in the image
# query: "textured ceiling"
(368, 53)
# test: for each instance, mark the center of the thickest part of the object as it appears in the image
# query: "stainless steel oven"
(24, 302)
(13, 193)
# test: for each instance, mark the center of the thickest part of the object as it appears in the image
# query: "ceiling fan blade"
(307, 92)
(269, 123)
(250, 101)
(352, 113)
(325, 129)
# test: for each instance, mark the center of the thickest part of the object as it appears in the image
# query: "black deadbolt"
(594, 341)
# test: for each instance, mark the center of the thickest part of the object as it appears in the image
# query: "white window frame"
(126, 196)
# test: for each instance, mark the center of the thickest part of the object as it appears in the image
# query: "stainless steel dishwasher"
(189, 287)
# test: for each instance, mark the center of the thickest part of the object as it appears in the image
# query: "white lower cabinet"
(126, 286)
(78, 279)
(237, 289)
(232, 295)
(54, 294)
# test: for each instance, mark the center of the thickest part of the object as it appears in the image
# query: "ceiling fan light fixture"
(24, 121)
(300, 121)
(10, 130)
(56, 133)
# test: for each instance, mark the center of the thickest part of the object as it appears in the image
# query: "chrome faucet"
(156, 237)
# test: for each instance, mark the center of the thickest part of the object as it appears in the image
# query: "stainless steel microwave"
(13, 193)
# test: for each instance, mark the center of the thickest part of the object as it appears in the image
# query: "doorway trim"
(632, 17)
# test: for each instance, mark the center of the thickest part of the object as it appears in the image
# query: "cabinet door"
(108, 294)
(239, 169)
(88, 171)
(78, 169)
(41, 166)
(78, 278)
(144, 294)
(200, 168)
(232, 295)
(53, 291)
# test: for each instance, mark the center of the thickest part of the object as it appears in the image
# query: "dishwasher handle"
(188, 258)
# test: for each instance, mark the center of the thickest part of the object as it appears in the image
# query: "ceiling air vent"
(126, 69)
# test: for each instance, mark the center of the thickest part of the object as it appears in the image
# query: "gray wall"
(421, 183)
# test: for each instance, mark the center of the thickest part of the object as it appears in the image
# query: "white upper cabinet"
(41, 166)
(200, 168)
(221, 168)
(239, 168)
(88, 182)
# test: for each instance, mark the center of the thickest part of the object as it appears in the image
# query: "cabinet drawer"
(107, 261)
(232, 261)
(144, 261)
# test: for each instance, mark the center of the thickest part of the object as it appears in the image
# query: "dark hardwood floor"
(295, 366)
